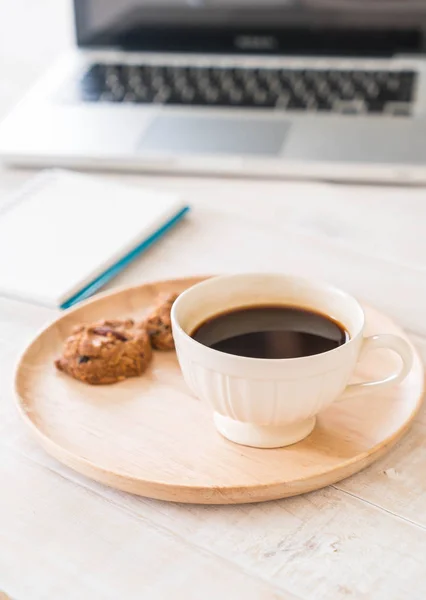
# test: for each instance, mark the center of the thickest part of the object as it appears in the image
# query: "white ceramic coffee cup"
(271, 403)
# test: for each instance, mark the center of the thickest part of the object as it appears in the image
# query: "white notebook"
(66, 234)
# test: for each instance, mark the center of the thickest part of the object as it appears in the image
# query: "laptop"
(324, 89)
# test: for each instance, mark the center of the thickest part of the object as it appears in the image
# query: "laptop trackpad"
(172, 134)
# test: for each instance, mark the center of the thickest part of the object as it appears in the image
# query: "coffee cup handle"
(390, 342)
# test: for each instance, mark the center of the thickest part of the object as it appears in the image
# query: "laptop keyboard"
(342, 91)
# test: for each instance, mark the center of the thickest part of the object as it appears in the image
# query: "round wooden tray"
(150, 436)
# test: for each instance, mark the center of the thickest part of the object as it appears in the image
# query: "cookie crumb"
(391, 473)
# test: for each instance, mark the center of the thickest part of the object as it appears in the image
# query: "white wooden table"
(64, 537)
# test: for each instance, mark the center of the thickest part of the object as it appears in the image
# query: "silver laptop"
(332, 89)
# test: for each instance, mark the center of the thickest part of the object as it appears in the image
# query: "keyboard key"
(236, 96)
(324, 105)
(349, 107)
(375, 106)
(89, 96)
(399, 109)
(187, 95)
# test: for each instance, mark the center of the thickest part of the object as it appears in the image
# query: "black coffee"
(271, 332)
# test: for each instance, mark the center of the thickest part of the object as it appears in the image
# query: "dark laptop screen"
(378, 27)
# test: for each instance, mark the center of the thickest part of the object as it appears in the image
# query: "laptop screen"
(353, 27)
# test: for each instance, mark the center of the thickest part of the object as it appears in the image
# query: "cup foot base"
(263, 436)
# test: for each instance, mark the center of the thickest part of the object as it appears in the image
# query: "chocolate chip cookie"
(158, 323)
(106, 352)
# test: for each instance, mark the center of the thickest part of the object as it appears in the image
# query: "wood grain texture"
(151, 437)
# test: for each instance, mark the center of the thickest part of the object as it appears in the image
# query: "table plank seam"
(379, 508)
